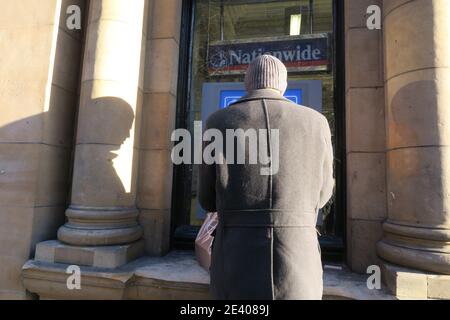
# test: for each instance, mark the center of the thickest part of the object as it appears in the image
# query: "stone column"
(103, 203)
(417, 57)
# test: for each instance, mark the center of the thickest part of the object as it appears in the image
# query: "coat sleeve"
(207, 183)
(327, 172)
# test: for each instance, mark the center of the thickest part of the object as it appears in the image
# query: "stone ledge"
(339, 284)
(413, 284)
(175, 276)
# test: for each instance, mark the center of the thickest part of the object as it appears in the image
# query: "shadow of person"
(104, 158)
(103, 139)
(103, 209)
(36, 163)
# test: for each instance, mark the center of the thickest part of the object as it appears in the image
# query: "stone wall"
(365, 126)
(39, 75)
(158, 122)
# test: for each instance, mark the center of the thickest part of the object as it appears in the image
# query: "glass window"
(228, 34)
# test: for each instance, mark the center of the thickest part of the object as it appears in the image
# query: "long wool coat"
(266, 245)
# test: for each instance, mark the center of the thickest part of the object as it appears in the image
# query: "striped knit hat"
(266, 72)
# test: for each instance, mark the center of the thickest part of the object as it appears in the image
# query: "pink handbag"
(204, 240)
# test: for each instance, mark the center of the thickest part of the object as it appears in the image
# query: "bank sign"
(299, 54)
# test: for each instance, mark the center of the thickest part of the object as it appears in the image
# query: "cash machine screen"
(228, 97)
(219, 95)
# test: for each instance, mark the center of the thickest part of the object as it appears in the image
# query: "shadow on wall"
(35, 162)
(35, 174)
(38, 113)
(105, 160)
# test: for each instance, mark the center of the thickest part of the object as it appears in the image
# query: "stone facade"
(365, 133)
(65, 112)
(39, 95)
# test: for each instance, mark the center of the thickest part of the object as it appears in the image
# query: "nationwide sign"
(299, 54)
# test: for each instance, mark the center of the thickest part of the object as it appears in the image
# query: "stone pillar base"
(413, 284)
(55, 251)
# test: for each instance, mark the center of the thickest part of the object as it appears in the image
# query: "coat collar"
(261, 94)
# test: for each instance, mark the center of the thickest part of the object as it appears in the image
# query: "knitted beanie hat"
(266, 72)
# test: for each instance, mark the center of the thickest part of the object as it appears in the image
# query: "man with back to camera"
(266, 244)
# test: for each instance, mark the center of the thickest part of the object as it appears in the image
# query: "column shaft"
(417, 60)
(103, 203)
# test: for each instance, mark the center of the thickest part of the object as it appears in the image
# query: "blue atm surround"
(219, 95)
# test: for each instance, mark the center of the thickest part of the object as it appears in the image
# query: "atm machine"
(219, 95)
